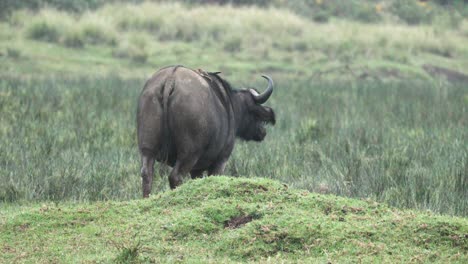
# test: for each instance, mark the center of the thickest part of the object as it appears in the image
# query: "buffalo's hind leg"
(195, 174)
(217, 168)
(181, 168)
(147, 170)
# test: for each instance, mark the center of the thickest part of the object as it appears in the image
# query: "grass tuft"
(128, 251)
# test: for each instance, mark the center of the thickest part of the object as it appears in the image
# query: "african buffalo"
(189, 120)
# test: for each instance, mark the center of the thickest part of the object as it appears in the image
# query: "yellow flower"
(318, 2)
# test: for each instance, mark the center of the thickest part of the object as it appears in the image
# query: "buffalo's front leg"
(147, 170)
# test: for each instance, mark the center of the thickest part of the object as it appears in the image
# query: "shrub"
(49, 25)
(94, 33)
(464, 28)
(55, 26)
(444, 49)
(452, 19)
(7, 6)
(366, 13)
(140, 22)
(73, 39)
(322, 10)
(43, 30)
(150, 23)
(411, 12)
(301, 45)
(19, 18)
(13, 53)
(134, 49)
(130, 52)
(233, 44)
(9, 192)
(321, 16)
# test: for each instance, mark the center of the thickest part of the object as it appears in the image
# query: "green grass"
(403, 143)
(189, 225)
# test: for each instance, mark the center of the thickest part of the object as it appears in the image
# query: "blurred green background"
(371, 96)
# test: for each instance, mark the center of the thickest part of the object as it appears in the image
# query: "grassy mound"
(222, 219)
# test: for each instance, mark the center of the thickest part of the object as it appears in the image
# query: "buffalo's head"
(255, 116)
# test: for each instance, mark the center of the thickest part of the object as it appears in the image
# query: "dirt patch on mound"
(238, 221)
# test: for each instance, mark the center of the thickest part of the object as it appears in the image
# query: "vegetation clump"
(42, 30)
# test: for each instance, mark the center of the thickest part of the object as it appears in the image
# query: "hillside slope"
(225, 219)
(135, 39)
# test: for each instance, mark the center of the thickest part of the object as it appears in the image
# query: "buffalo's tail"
(166, 93)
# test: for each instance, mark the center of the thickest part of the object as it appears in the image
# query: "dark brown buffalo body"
(189, 120)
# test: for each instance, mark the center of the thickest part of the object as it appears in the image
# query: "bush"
(464, 28)
(48, 25)
(13, 53)
(233, 44)
(20, 18)
(321, 16)
(366, 13)
(136, 21)
(411, 12)
(59, 27)
(134, 49)
(43, 30)
(73, 39)
(94, 33)
(8, 6)
(451, 19)
(356, 10)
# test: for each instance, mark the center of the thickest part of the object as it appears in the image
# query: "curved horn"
(263, 97)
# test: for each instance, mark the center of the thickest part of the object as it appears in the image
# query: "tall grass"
(401, 143)
(68, 139)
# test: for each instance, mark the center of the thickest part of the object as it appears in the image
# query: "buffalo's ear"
(264, 114)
